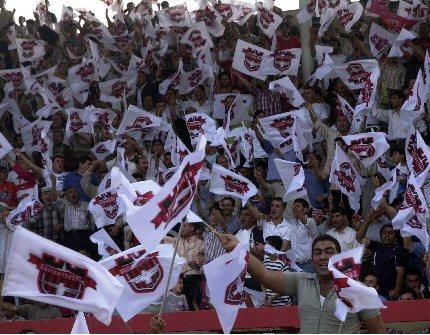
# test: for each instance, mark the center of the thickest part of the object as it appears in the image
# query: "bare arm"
(27, 161)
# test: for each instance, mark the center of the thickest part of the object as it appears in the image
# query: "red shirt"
(8, 194)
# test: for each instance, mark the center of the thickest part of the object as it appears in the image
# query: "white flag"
(353, 117)
(170, 205)
(14, 76)
(293, 178)
(118, 89)
(115, 177)
(5, 146)
(144, 276)
(347, 16)
(267, 20)
(173, 81)
(80, 77)
(286, 87)
(402, 43)
(35, 136)
(239, 110)
(367, 147)
(355, 74)
(198, 39)
(345, 176)
(190, 80)
(417, 157)
(106, 247)
(57, 92)
(417, 97)
(210, 19)
(225, 277)
(387, 187)
(248, 59)
(198, 124)
(352, 295)
(104, 149)
(80, 326)
(176, 16)
(78, 121)
(305, 14)
(41, 270)
(379, 39)
(30, 50)
(283, 62)
(27, 210)
(136, 119)
(226, 182)
(426, 74)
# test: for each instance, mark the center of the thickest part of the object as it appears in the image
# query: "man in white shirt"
(274, 223)
(341, 231)
(303, 232)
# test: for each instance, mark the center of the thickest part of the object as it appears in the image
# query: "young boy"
(175, 300)
(273, 262)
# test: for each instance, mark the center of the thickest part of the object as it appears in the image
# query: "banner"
(367, 147)
(248, 59)
(293, 178)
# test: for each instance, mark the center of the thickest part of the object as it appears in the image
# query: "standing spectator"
(7, 189)
(341, 230)
(73, 179)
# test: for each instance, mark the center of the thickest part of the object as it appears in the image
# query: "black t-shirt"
(386, 260)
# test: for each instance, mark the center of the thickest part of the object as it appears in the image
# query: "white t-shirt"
(59, 182)
(270, 229)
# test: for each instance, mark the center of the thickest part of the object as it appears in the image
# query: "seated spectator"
(175, 300)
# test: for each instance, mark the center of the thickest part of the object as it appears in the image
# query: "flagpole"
(170, 271)
(212, 229)
(340, 327)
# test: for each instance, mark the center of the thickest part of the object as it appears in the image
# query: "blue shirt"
(315, 187)
(73, 179)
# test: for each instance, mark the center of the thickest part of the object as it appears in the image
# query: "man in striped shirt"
(212, 244)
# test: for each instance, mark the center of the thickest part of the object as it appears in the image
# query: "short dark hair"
(385, 226)
(275, 241)
(302, 201)
(281, 200)
(413, 271)
(329, 238)
(342, 211)
(229, 198)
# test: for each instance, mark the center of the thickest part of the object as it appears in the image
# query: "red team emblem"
(379, 42)
(412, 200)
(284, 125)
(108, 201)
(22, 217)
(420, 161)
(140, 123)
(235, 185)
(234, 294)
(177, 14)
(28, 48)
(197, 39)
(120, 89)
(363, 147)
(344, 16)
(61, 278)
(85, 72)
(266, 18)
(181, 196)
(253, 59)
(346, 176)
(282, 60)
(349, 268)
(142, 199)
(143, 277)
(195, 78)
(224, 9)
(15, 78)
(194, 126)
(357, 74)
(76, 123)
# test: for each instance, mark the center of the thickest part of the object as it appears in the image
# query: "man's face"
(168, 159)
(223, 161)
(215, 218)
(86, 165)
(338, 220)
(57, 121)
(72, 195)
(395, 101)
(342, 124)
(57, 137)
(227, 207)
(46, 197)
(321, 253)
(371, 281)
(187, 229)
(58, 164)
(3, 175)
(246, 220)
(398, 157)
(276, 209)
(388, 236)
(309, 95)
(224, 81)
(199, 93)
(143, 164)
(413, 281)
(299, 210)
(148, 102)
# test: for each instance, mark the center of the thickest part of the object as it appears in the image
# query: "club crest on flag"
(234, 294)
(282, 60)
(108, 201)
(182, 194)
(76, 123)
(235, 185)
(28, 48)
(357, 74)
(177, 13)
(346, 176)
(253, 59)
(143, 277)
(61, 278)
(143, 198)
(363, 147)
(412, 200)
(195, 78)
(86, 71)
(224, 9)
(266, 18)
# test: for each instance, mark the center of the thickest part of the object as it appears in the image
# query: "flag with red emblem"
(56, 91)
(417, 97)
(348, 15)
(238, 103)
(42, 270)
(248, 59)
(78, 121)
(402, 44)
(106, 247)
(13, 76)
(28, 209)
(226, 182)
(198, 124)
(288, 90)
(379, 39)
(353, 118)
(389, 187)
(152, 221)
(118, 89)
(198, 39)
(352, 296)
(345, 176)
(136, 119)
(355, 74)
(412, 215)
(267, 20)
(173, 81)
(80, 77)
(293, 179)
(30, 50)
(225, 278)
(417, 157)
(413, 11)
(175, 16)
(143, 273)
(389, 18)
(104, 149)
(283, 62)
(210, 19)
(367, 147)
(190, 80)
(35, 136)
